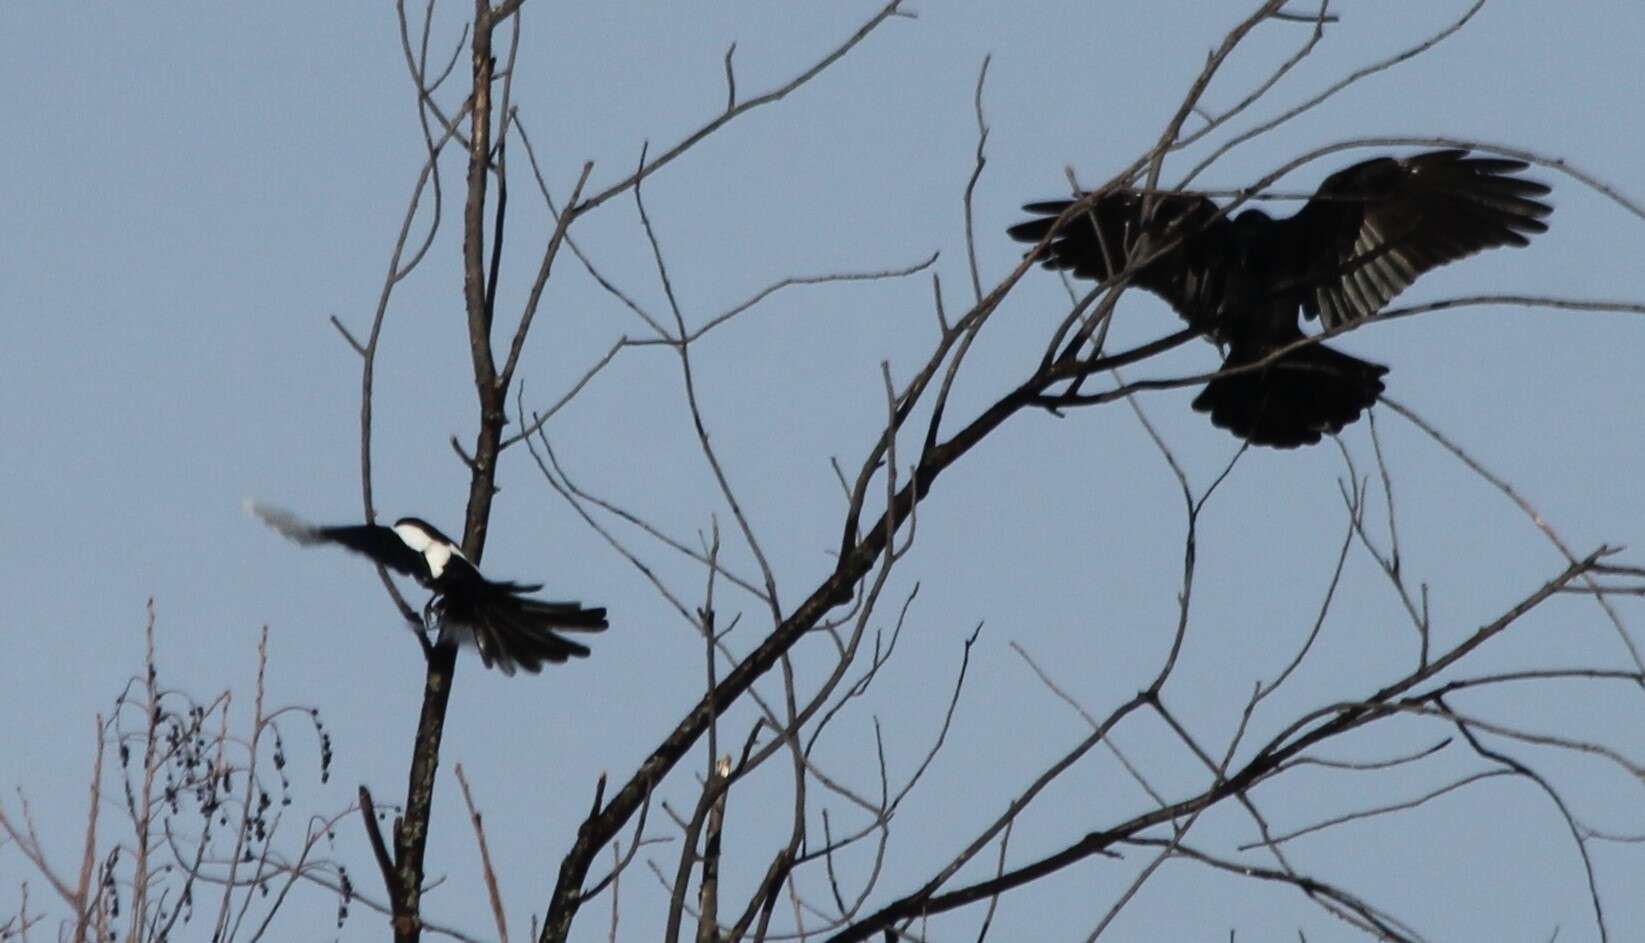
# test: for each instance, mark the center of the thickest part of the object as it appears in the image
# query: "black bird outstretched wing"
(379, 543)
(1190, 271)
(1372, 229)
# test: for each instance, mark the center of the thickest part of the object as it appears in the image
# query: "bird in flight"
(1365, 235)
(510, 629)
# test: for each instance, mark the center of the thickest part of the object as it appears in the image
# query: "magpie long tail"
(1309, 392)
(571, 616)
(514, 633)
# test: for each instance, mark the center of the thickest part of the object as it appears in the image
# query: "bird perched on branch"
(1365, 235)
(510, 629)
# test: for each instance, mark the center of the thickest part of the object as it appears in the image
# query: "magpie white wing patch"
(438, 555)
(414, 537)
(437, 552)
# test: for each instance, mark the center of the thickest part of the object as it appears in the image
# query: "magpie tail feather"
(571, 616)
(515, 633)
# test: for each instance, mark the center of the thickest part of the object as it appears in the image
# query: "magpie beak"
(510, 629)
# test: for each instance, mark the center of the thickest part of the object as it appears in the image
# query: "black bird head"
(1253, 226)
(1252, 235)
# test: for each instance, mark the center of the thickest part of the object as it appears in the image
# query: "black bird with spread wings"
(1367, 234)
(510, 629)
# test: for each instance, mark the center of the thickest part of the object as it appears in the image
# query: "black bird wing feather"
(1184, 260)
(1374, 228)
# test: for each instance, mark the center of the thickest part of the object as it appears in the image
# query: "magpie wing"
(1374, 228)
(379, 543)
(1187, 256)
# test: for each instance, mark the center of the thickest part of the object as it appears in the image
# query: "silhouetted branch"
(379, 849)
(487, 872)
(1330, 91)
(1532, 513)
(646, 169)
(1520, 769)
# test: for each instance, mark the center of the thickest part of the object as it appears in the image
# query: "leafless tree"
(771, 711)
(206, 797)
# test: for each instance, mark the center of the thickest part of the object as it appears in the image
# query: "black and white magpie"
(510, 629)
(1366, 234)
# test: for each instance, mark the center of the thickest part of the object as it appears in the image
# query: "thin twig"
(489, 874)
(646, 169)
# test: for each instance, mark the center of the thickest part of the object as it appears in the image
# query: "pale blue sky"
(190, 190)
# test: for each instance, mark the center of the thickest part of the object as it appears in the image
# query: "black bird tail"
(1309, 392)
(514, 632)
